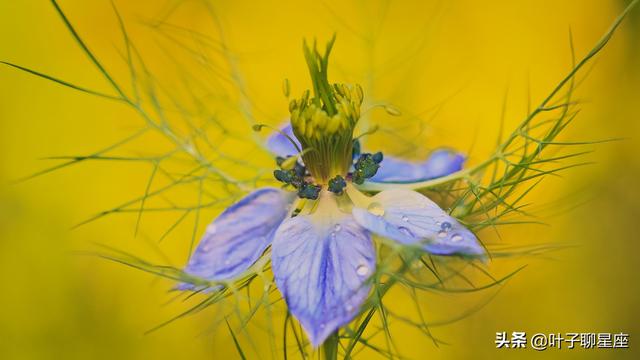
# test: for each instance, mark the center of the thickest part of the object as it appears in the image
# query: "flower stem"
(330, 347)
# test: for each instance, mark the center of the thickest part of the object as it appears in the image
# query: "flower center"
(324, 126)
(324, 123)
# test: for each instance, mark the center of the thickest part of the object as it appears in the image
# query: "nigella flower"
(322, 251)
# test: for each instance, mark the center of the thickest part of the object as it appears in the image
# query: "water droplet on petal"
(456, 238)
(337, 228)
(376, 209)
(442, 234)
(362, 270)
(445, 226)
(405, 218)
(405, 231)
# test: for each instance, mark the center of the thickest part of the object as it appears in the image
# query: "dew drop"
(376, 209)
(405, 231)
(362, 270)
(445, 226)
(337, 228)
(405, 218)
(456, 238)
(442, 234)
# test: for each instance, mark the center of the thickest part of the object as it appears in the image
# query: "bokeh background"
(456, 57)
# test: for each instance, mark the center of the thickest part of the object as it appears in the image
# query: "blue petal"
(278, 144)
(321, 270)
(410, 218)
(440, 163)
(239, 236)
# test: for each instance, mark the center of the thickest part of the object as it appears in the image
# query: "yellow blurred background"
(459, 57)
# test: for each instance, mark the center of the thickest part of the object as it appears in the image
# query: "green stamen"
(366, 167)
(309, 191)
(337, 185)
